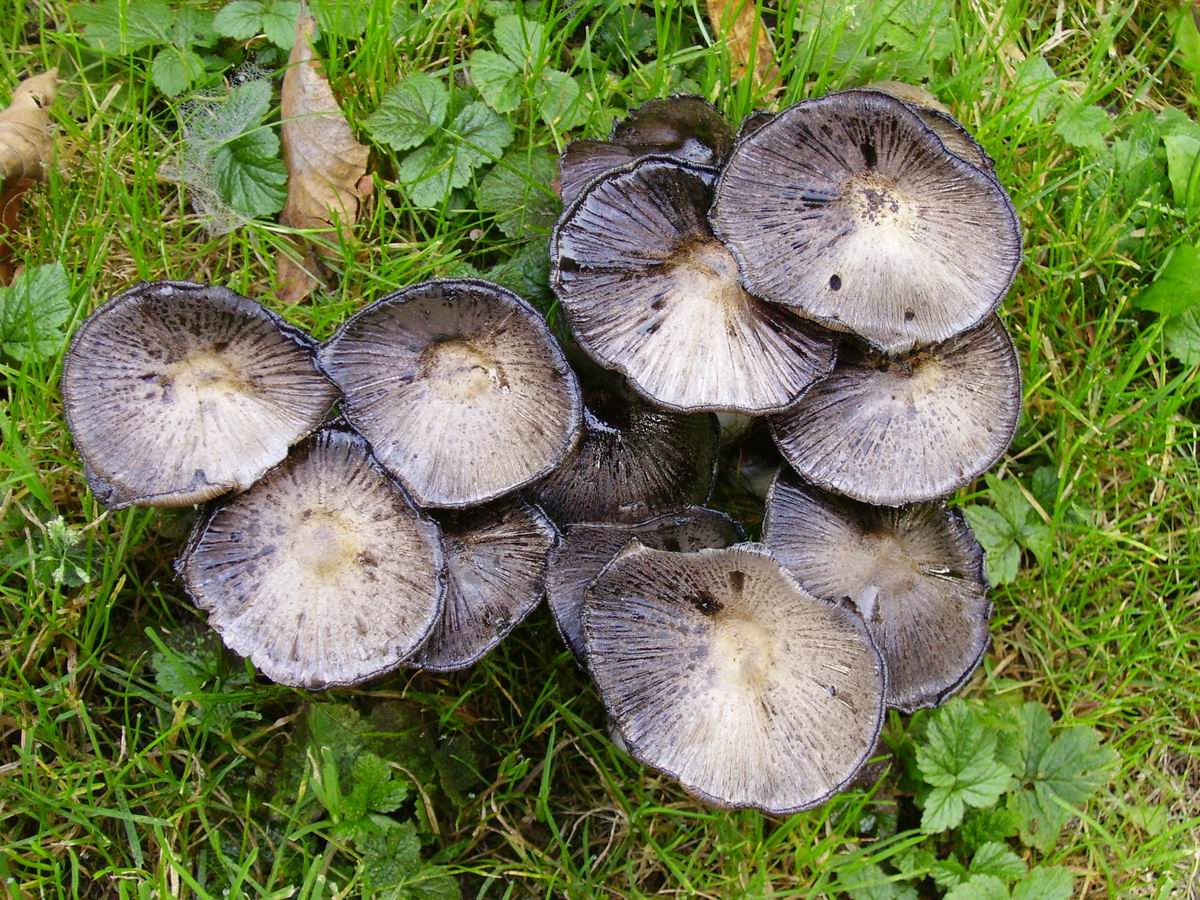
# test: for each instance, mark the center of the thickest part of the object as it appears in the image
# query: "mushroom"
(496, 568)
(587, 547)
(915, 574)
(936, 117)
(682, 127)
(752, 122)
(460, 388)
(176, 393)
(323, 573)
(720, 670)
(850, 210)
(650, 292)
(634, 461)
(891, 430)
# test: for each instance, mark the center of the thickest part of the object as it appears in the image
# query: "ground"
(138, 761)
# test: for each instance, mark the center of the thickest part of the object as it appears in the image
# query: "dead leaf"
(915, 94)
(325, 164)
(749, 42)
(25, 145)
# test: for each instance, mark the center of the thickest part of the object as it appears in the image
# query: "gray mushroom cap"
(176, 393)
(460, 388)
(634, 462)
(496, 571)
(720, 670)
(323, 573)
(587, 547)
(915, 574)
(851, 210)
(685, 128)
(650, 292)
(915, 427)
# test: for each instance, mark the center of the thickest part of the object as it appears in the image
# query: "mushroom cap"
(719, 669)
(460, 388)
(323, 573)
(752, 122)
(682, 127)
(915, 573)
(651, 293)
(587, 547)
(895, 430)
(176, 393)
(496, 575)
(634, 462)
(850, 209)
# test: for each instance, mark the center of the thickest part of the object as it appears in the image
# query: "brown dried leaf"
(325, 166)
(916, 94)
(25, 141)
(748, 40)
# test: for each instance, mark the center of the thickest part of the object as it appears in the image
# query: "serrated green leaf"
(991, 528)
(558, 99)
(913, 27)
(1083, 127)
(1045, 883)
(1037, 86)
(1183, 169)
(517, 192)
(240, 20)
(409, 112)
(979, 887)
(1038, 539)
(958, 758)
(948, 872)
(33, 310)
(378, 784)
(249, 173)
(527, 273)
(994, 858)
(426, 174)
(192, 27)
(279, 22)
(520, 40)
(498, 80)
(340, 17)
(1044, 485)
(984, 825)
(482, 136)
(173, 70)
(1177, 287)
(124, 26)
(1182, 337)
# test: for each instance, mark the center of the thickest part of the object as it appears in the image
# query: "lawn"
(139, 760)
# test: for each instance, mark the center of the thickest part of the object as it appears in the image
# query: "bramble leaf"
(1045, 883)
(410, 112)
(517, 191)
(1083, 127)
(958, 759)
(175, 69)
(33, 310)
(124, 26)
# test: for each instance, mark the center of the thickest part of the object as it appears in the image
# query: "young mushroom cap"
(323, 573)
(460, 388)
(176, 393)
(650, 292)
(496, 576)
(587, 547)
(721, 671)
(915, 574)
(895, 430)
(685, 128)
(851, 210)
(634, 462)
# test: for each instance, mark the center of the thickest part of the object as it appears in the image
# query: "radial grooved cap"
(322, 573)
(176, 393)
(721, 671)
(915, 574)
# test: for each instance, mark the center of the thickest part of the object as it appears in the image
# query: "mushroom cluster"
(407, 492)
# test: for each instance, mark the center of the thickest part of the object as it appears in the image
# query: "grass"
(112, 785)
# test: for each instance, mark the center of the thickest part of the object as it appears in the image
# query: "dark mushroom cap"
(634, 462)
(587, 547)
(496, 569)
(915, 573)
(683, 127)
(895, 430)
(323, 573)
(851, 210)
(752, 122)
(176, 393)
(651, 293)
(937, 118)
(719, 669)
(460, 388)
